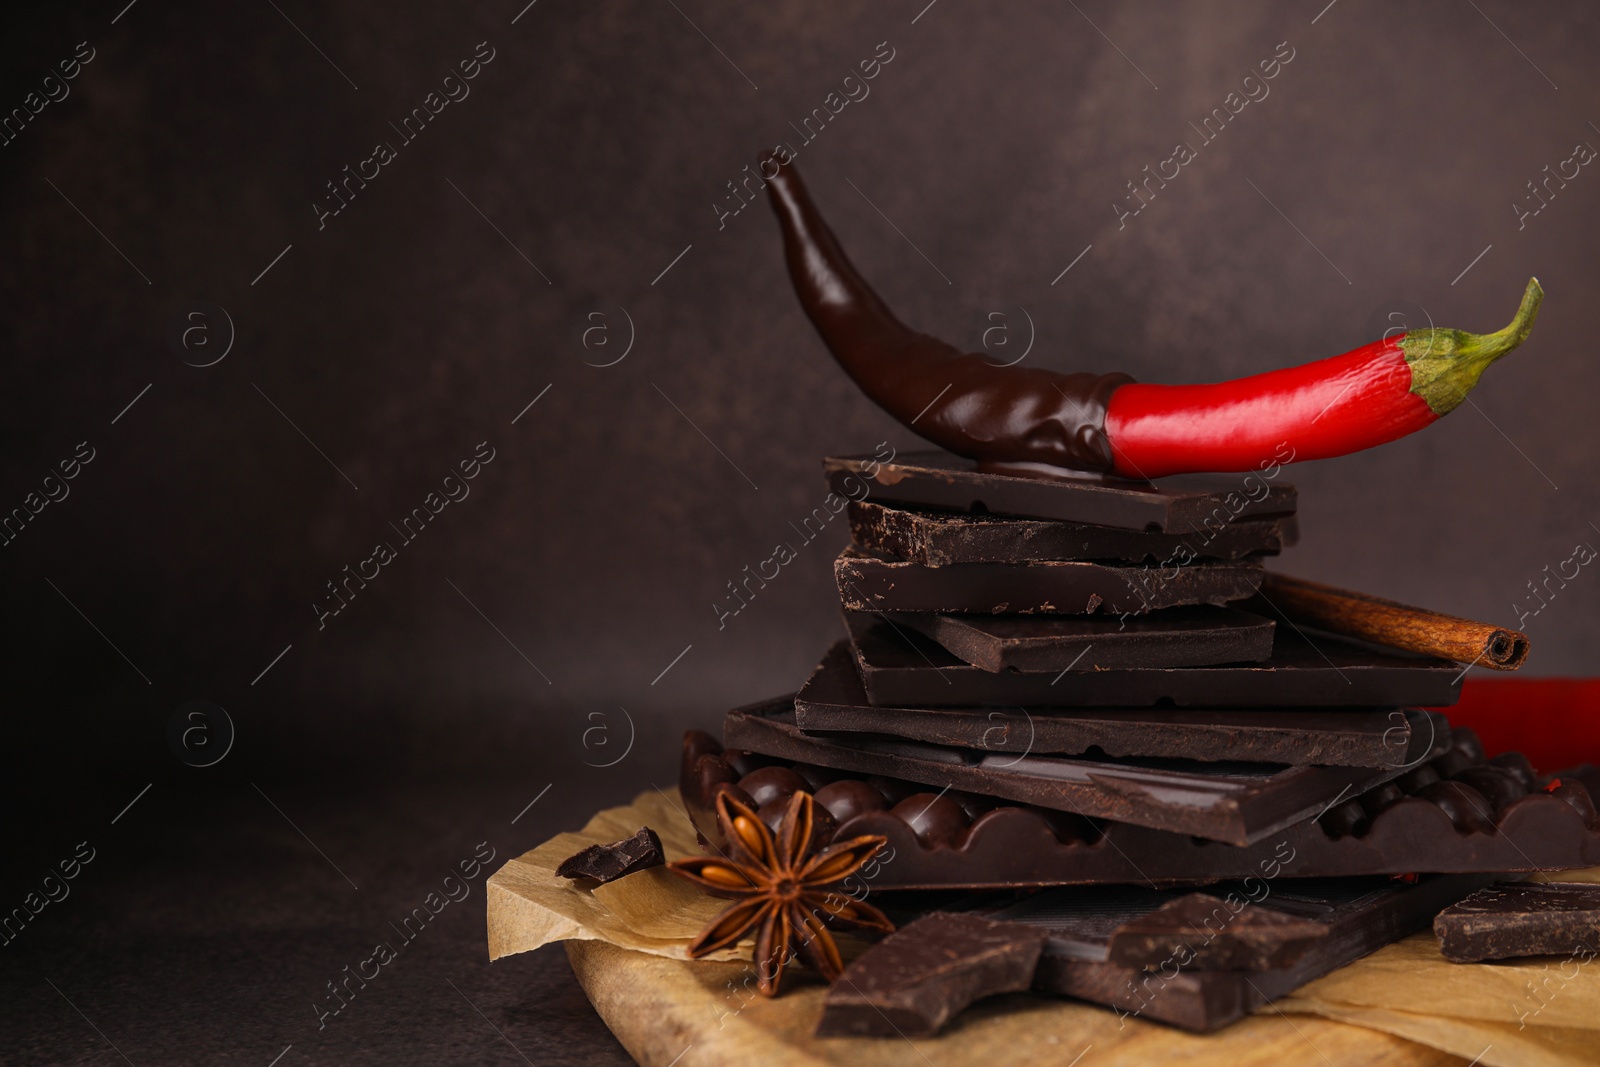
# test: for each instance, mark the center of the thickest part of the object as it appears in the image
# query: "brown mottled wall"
(413, 221)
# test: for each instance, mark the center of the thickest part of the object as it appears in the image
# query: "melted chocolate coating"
(959, 401)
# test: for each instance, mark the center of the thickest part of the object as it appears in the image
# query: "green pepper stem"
(1446, 364)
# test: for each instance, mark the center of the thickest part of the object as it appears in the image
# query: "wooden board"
(1404, 1004)
(667, 1011)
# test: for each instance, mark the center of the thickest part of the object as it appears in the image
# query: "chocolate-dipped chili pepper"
(960, 402)
(1108, 422)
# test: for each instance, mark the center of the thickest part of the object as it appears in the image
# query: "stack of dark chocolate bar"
(1078, 686)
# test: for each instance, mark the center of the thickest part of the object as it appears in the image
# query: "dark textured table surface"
(206, 930)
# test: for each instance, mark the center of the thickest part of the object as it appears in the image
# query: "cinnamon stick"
(1385, 622)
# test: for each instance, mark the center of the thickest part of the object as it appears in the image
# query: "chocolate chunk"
(901, 667)
(1186, 504)
(1176, 637)
(1469, 809)
(1012, 845)
(772, 783)
(1239, 803)
(1522, 919)
(937, 819)
(1573, 793)
(1049, 587)
(1586, 774)
(1496, 784)
(918, 978)
(1208, 933)
(847, 798)
(607, 863)
(939, 538)
(1360, 916)
(833, 702)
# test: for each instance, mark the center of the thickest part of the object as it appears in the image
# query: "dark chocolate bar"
(1208, 933)
(901, 667)
(1456, 814)
(1050, 587)
(938, 538)
(1186, 504)
(607, 863)
(919, 977)
(1360, 915)
(1240, 803)
(1502, 921)
(833, 702)
(1176, 637)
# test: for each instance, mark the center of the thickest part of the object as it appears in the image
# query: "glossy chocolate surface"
(1197, 504)
(963, 402)
(1212, 932)
(900, 667)
(1196, 636)
(935, 537)
(1523, 919)
(1047, 587)
(1359, 915)
(1423, 822)
(833, 702)
(608, 862)
(1240, 803)
(914, 981)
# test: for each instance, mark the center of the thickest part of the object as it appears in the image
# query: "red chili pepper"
(1009, 415)
(1332, 407)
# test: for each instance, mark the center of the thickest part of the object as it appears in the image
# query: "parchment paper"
(1543, 1012)
(649, 911)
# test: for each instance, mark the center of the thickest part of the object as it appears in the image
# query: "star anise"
(781, 890)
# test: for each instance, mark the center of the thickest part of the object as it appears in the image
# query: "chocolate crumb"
(607, 863)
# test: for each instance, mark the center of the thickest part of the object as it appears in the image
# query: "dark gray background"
(1385, 159)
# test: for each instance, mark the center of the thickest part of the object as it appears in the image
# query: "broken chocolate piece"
(901, 667)
(1185, 504)
(914, 981)
(1361, 915)
(1522, 919)
(954, 840)
(1239, 803)
(1211, 934)
(1175, 637)
(833, 702)
(1050, 587)
(607, 863)
(938, 538)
